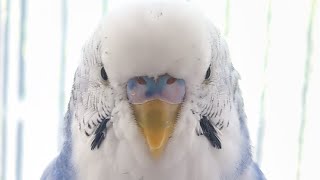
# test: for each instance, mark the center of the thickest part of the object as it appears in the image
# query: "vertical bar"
(64, 21)
(1, 110)
(305, 88)
(104, 6)
(1, 13)
(1, 81)
(261, 128)
(227, 18)
(21, 88)
(5, 89)
(19, 152)
(21, 51)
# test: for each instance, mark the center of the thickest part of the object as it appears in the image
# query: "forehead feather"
(154, 38)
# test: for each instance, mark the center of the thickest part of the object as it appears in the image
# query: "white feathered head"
(156, 79)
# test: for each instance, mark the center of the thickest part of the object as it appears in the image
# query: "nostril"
(171, 80)
(140, 80)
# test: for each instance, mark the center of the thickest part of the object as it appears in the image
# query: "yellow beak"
(156, 120)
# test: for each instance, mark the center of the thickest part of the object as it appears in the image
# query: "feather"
(210, 132)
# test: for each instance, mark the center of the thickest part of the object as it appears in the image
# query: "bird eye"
(104, 74)
(208, 73)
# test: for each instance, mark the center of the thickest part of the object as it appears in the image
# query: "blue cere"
(151, 87)
(142, 89)
(131, 84)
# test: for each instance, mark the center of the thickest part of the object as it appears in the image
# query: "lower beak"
(157, 120)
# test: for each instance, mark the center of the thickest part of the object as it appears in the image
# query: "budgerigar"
(155, 97)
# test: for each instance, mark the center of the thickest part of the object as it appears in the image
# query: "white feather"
(154, 38)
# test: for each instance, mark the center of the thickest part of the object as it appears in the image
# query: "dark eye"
(208, 73)
(104, 74)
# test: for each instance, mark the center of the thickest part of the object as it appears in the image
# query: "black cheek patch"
(208, 73)
(100, 134)
(210, 132)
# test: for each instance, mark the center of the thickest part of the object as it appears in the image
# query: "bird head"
(154, 77)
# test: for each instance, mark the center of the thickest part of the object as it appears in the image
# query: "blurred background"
(275, 45)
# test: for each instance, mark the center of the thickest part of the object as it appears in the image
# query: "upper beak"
(156, 105)
(157, 120)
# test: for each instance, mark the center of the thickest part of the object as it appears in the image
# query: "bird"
(155, 96)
